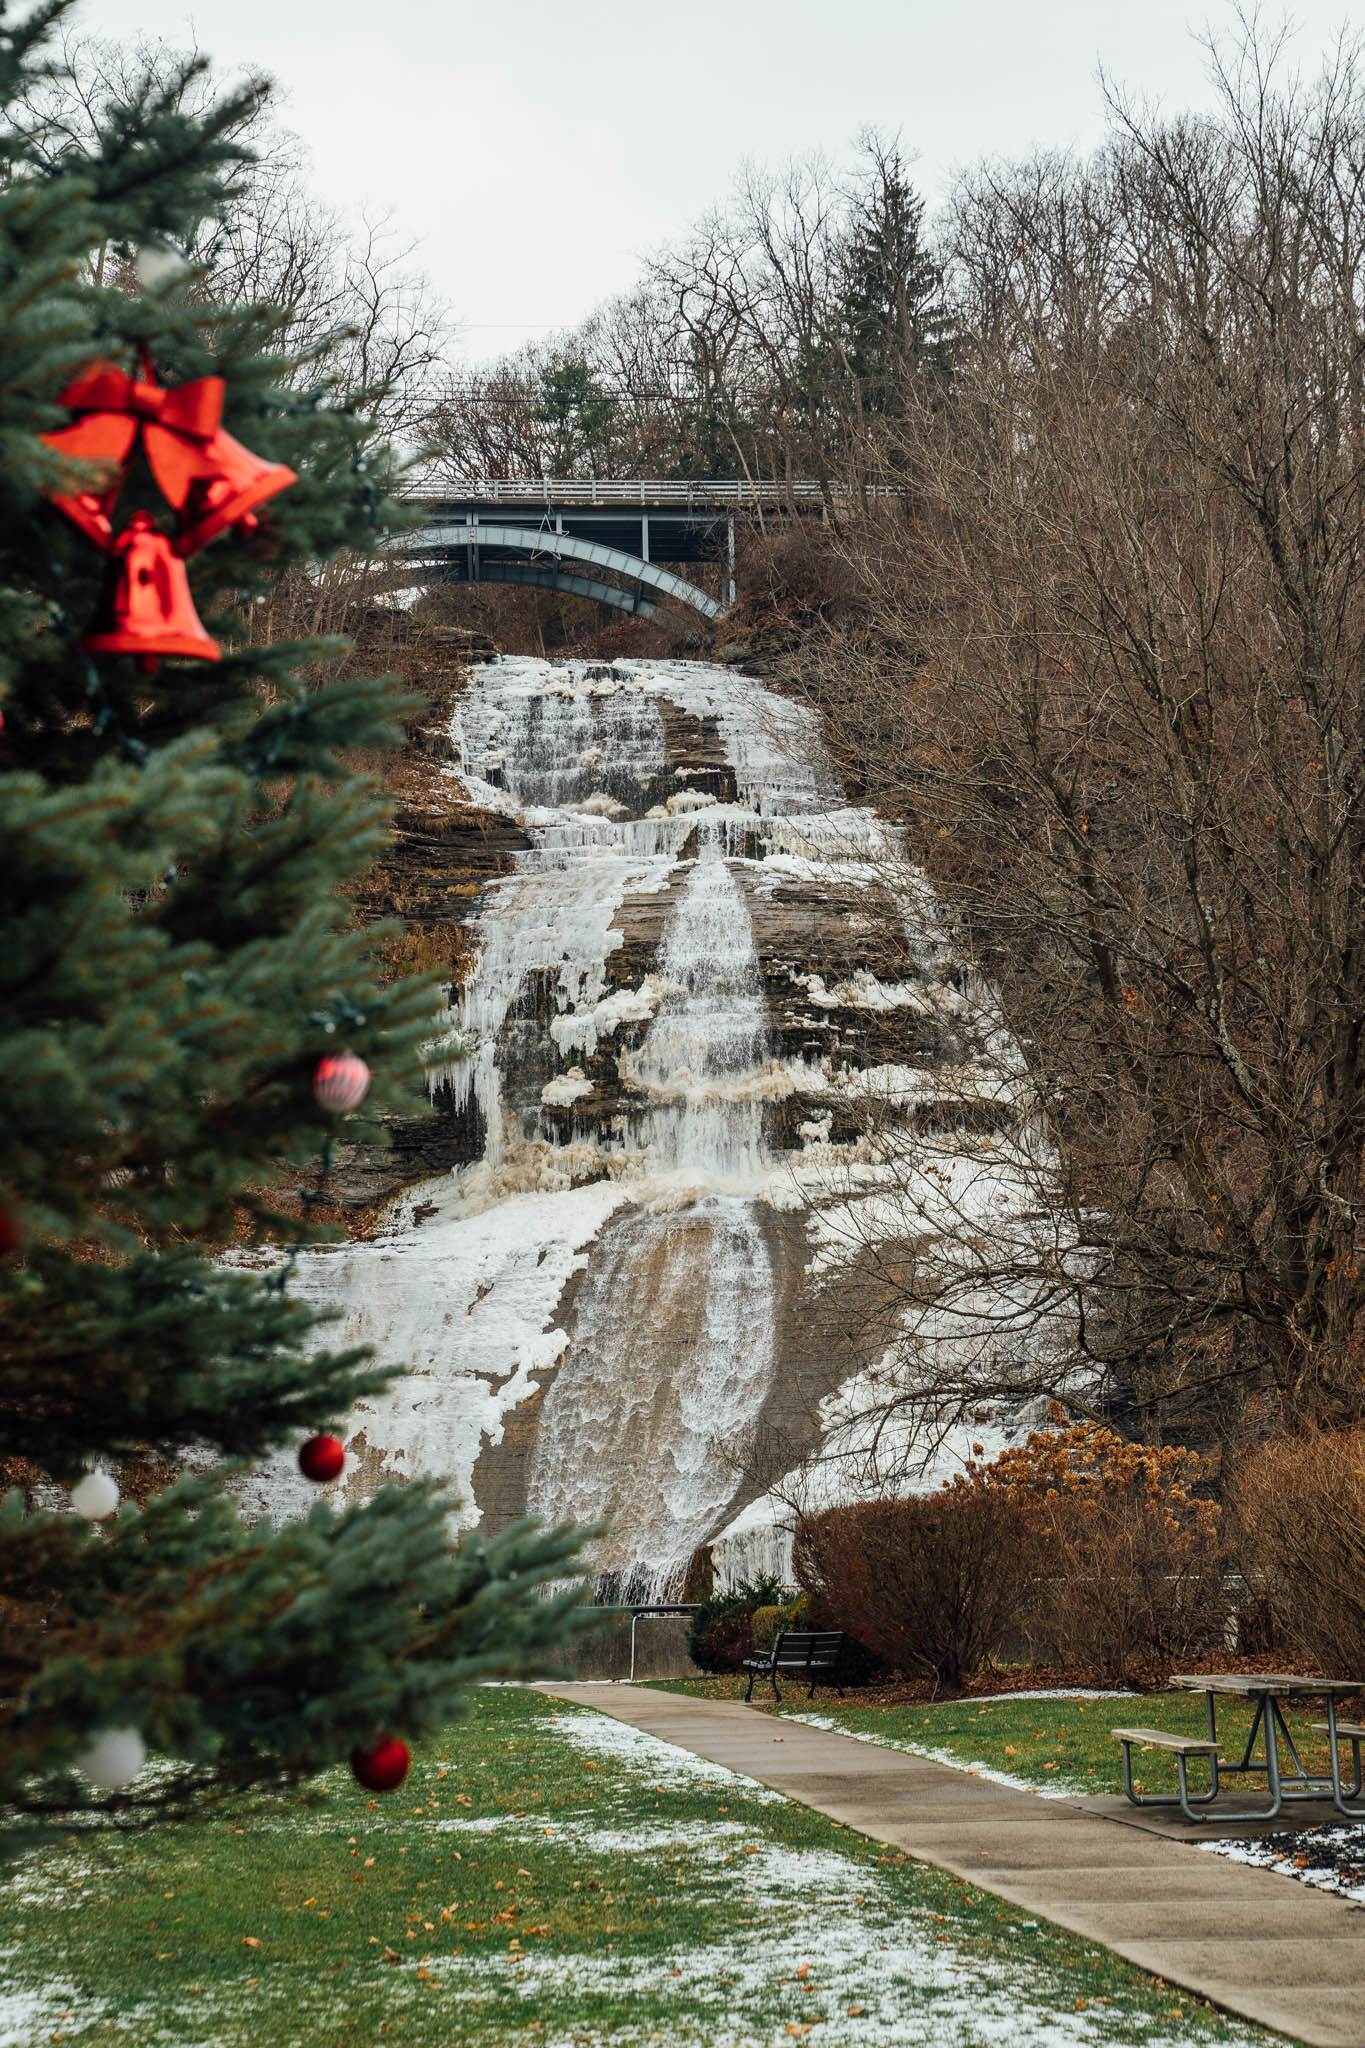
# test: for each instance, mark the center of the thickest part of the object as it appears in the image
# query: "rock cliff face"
(701, 984)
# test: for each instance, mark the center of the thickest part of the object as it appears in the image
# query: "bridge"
(552, 533)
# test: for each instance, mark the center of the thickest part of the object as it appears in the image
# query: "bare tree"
(354, 312)
(1114, 680)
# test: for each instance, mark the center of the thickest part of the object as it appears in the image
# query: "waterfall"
(709, 1037)
(704, 963)
(675, 1349)
(673, 1360)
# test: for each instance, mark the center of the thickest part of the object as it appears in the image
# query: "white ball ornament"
(95, 1496)
(114, 1758)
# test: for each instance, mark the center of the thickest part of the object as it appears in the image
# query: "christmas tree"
(177, 960)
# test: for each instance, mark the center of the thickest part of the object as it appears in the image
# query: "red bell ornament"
(149, 611)
(231, 490)
(112, 409)
(211, 480)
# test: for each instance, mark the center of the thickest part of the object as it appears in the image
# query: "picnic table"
(1279, 1763)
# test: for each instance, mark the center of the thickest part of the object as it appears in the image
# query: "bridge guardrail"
(576, 490)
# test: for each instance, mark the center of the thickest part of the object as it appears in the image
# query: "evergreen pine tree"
(890, 306)
(577, 418)
(176, 954)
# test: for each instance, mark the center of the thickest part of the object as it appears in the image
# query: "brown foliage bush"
(1129, 1555)
(930, 1584)
(1299, 1509)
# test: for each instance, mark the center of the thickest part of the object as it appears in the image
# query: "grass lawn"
(546, 1876)
(1053, 1745)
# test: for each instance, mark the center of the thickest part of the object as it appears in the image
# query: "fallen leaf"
(855, 2012)
(310, 1902)
(250, 1941)
(803, 1971)
(391, 1955)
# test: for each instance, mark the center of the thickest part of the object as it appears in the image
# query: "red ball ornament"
(341, 1081)
(382, 1765)
(322, 1458)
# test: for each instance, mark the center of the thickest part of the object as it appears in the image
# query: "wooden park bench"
(812, 1653)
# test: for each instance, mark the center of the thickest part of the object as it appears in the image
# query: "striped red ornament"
(341, 1081)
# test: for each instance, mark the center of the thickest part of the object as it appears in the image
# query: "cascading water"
(675, 1353)
(709, 1037)
(606, 1308)
(672, 1364)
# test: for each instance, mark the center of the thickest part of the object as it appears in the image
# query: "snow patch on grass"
(1062, 1788)
(29, 2016)
(663, 1761)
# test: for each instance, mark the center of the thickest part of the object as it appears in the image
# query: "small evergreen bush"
(764, 1625)
(721, 1635)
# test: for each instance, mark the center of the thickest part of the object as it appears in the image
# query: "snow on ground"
(27, 2017)
(817, 1920)
(807, 1930)
(1329, 1859)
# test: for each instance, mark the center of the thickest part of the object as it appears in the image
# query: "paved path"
(1254, 1942)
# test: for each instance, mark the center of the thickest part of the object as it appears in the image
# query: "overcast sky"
(535, 149)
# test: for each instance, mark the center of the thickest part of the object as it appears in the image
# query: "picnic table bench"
(1279, 1763)
(812, 1653)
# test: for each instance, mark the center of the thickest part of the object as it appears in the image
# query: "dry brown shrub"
(931, 1584)
(1130, 1553)
(1299, 1505)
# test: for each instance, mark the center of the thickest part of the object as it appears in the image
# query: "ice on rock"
(664, 1215)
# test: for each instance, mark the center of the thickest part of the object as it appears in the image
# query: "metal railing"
(659, 1607)
(579, 490)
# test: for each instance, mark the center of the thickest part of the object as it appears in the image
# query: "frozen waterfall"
(700, 966)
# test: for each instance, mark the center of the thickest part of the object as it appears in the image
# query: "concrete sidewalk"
(1254, 1942)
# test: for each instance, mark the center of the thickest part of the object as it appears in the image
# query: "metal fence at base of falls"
(637, 1613)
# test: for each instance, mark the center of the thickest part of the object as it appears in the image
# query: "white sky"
(535, 149)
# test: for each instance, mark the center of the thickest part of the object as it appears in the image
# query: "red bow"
(194, 410)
